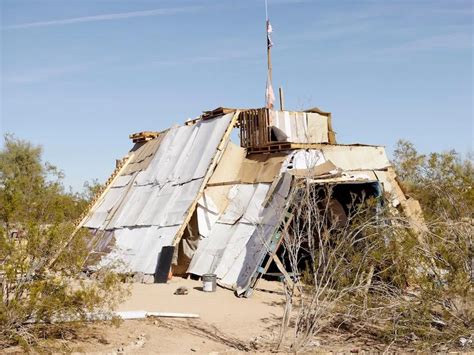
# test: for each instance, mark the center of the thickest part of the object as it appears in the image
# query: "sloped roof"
(146, 206)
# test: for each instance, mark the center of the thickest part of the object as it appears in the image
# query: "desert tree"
(40, 287)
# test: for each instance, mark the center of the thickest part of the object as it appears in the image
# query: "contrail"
(105, 17)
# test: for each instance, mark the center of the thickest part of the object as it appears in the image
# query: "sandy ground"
(226, 324)
(242, 317)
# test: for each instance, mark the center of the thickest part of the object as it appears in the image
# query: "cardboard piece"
(229, 165)
(326, 168)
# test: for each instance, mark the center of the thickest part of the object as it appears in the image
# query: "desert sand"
(226, 323)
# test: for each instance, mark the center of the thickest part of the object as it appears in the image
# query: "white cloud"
(105, 17)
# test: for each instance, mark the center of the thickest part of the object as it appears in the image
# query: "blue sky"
(78, 76)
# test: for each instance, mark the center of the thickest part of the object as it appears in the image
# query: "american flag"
(269, 31)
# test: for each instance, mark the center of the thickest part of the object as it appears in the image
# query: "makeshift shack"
(221, 204)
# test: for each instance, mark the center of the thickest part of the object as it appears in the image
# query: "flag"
(269, 31)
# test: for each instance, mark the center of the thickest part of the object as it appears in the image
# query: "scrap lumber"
(220, 111)
(98, 316)
(143, 136)
(281, 147)
(145, 314)
(256, 131)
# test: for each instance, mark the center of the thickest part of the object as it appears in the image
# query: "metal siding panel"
(138, 248)
(210, 250)
(239, 198)
(96, 220)
(253, 211)
(132, 206)
(225, 251)
(208, 135)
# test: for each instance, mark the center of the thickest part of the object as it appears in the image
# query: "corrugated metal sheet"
(143, 153)
(229, 234)
(161, 194)
(237, 240)
(137, 249)
(145, 209)
(185, 153)
(98, 217)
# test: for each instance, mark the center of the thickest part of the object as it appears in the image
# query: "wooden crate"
(256, 132)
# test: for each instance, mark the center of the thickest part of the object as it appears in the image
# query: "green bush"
(43, 290)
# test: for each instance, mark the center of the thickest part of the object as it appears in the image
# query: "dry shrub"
(370, 273)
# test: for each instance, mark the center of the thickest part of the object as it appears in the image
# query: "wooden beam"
(282, 99)
(281, 268)
(143, 136)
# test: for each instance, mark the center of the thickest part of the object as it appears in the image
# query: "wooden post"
(282, 99)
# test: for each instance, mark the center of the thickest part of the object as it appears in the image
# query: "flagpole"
(269, 58)
(266, 10)
(269, 61)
